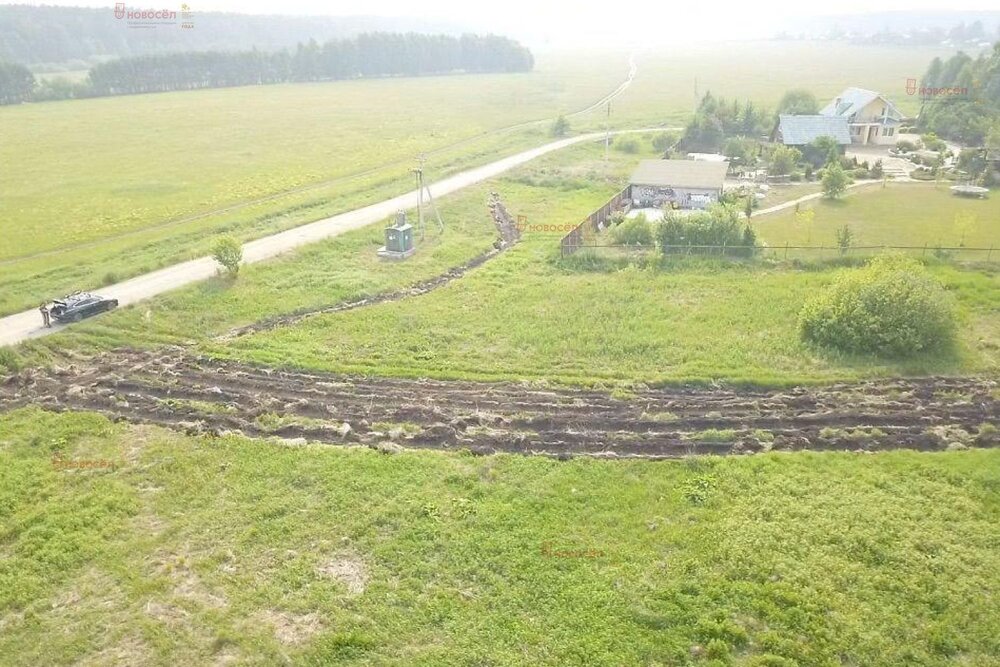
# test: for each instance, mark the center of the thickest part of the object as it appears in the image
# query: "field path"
(22, 326)
(810, 197)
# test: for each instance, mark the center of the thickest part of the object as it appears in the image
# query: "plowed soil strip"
(198, 395)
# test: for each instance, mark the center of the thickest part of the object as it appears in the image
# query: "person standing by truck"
(46, 319)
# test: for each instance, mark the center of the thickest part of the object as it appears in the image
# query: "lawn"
(227, 550)
(909, 214)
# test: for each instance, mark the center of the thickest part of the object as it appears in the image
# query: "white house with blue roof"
(871, 117)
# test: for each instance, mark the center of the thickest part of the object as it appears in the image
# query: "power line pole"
(419, 171)
(421, 187)
(607, 132)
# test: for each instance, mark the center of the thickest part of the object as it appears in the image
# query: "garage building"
(677, 183)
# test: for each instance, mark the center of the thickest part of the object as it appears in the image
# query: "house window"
(889, 131)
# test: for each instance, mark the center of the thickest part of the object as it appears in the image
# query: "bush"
(906, 146)
(835, 181)
(636, 231)
(664, 142)
(630, 146)
(892, 308)
(719, 226)
(933, 143)
(9, 361)
(229, 253)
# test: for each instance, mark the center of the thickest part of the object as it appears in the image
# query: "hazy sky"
(578, 22)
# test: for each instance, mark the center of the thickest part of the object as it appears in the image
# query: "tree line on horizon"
(964, 99)
(58, 38)
(367, 55)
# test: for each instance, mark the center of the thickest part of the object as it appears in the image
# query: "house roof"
(680, 173)
(853, 100)
(802, 130)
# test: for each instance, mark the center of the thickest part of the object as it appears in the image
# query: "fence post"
(786, 249)
(989, 254)
(924, 251)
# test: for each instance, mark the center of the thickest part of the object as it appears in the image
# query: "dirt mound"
(200, 395)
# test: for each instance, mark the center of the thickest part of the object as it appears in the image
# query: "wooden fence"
(595, 222)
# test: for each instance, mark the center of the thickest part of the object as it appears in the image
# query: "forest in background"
(53, 39)
(364, 56)
(962, 98)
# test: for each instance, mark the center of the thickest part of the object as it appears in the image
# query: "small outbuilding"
(677, 183)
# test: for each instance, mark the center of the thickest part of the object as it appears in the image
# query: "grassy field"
(233, 551)
(526, 316)
(914, 214)
(762, 71)
(87, 194)
(559, 188)
(522, 317)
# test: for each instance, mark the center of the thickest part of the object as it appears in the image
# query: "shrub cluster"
(719, 226)
(634, 231)
(892, 308)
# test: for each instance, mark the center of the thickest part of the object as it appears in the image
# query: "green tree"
(560, 127)
(664, 142)
(798, 102)
(844, 239)
(823, 150)
(229, 253)
(835, 181)
(784, 159)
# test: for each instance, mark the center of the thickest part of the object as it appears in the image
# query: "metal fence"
(595, 222)
(786, 252)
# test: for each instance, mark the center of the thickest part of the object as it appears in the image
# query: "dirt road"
(25, 325)
(199, 395)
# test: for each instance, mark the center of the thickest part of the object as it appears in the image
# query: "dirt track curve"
(198, 395)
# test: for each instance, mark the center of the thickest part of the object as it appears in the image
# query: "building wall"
(873, 112)
(874, 133)
(656, 196)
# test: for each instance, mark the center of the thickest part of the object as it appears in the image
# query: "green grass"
(106, 188)
(523, 317)
(912, 214)
(111, 185)
(200, 550)
(559, 188)
(763, 71)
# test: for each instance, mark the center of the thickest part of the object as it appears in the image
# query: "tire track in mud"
(200, 395)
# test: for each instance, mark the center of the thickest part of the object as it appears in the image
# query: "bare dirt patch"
(348, 569)
(290, 629)
(207, 396)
